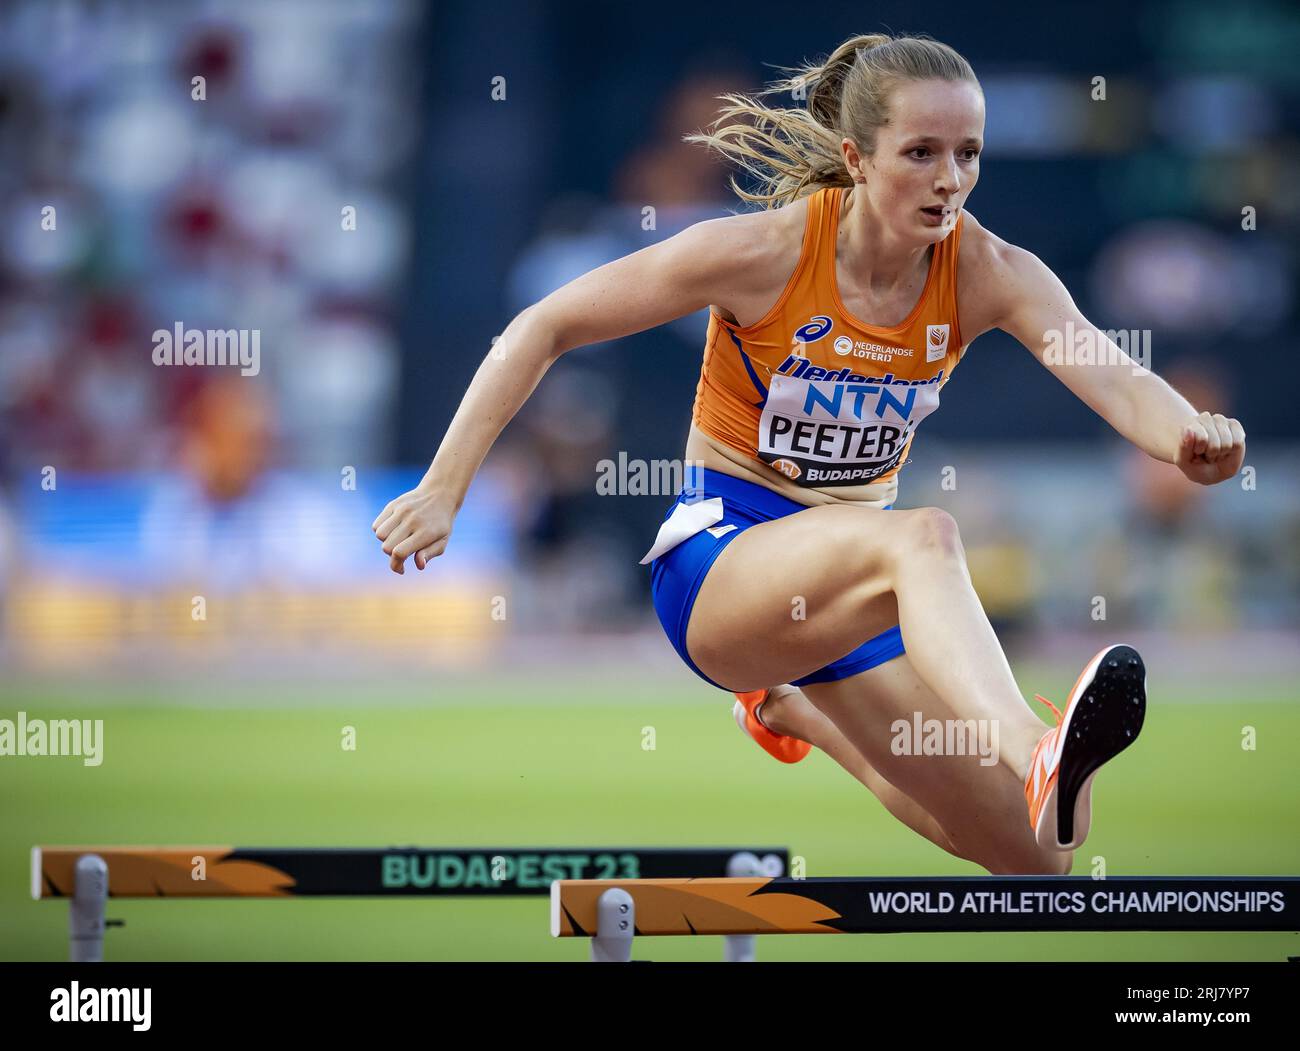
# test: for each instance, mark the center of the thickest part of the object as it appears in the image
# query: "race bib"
(827, 432)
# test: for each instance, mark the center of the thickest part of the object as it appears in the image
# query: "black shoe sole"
(1106, 720)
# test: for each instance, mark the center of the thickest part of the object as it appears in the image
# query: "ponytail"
(793, 152)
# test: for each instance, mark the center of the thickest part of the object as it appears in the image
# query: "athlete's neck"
(878, 261)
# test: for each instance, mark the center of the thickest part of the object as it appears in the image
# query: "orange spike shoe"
(779, 746)
(1103, 716)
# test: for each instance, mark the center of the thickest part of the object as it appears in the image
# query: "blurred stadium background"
(500, 697)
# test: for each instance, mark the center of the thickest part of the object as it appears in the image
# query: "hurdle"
(612, 912)
(88, 876)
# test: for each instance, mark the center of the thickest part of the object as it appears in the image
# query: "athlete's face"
(927, 157)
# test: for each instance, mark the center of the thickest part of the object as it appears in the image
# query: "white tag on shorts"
(686, 520)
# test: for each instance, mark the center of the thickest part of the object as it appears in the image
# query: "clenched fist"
(416, 523)
(1211, 448)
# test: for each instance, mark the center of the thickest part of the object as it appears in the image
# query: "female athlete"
(836, 315)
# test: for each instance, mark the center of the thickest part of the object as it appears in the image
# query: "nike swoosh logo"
(1052, 753)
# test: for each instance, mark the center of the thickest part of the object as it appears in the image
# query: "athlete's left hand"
(1211, 448)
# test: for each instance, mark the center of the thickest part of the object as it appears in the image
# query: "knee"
(933, 531)
(1008, 848)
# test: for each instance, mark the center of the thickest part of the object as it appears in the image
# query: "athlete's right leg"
(790, 596)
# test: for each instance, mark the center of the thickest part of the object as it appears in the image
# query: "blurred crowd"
(236, 166)
(289, 167)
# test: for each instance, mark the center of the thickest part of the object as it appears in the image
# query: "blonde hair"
(793, 152)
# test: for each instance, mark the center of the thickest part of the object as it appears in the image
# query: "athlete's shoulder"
(758, 252)
(988, 276)
(762, 237)
(982, 249)
(978, 242)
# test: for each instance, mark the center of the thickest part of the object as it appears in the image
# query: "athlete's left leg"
(980, 795)
(788, 711)
(895, 688)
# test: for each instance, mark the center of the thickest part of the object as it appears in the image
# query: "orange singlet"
(825, 399)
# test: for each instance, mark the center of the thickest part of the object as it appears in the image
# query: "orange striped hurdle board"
(87, 877)
(612, 912)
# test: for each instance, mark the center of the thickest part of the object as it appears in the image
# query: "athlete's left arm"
(1035, 307)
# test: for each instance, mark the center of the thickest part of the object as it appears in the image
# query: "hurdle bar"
(612, 912)
(88, 876)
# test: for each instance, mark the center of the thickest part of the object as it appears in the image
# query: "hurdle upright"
(88, 876)
(612, 912)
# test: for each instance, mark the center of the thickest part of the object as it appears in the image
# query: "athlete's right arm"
(678, 276)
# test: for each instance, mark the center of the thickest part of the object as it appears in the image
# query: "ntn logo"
(832, 400)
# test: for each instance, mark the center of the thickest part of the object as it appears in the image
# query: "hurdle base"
(615, 927)
(86, 909)
(616, 916)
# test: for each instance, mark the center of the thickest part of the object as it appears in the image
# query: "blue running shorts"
(678, 570)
